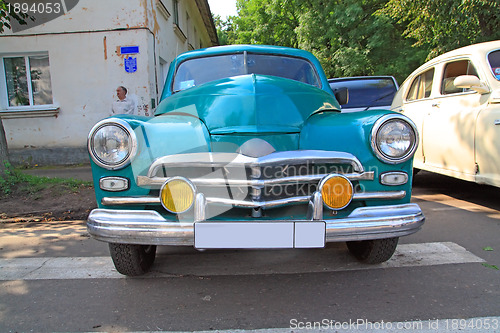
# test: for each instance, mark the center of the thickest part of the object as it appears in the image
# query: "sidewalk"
(77, 172)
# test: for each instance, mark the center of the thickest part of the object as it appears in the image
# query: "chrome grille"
(276, 179)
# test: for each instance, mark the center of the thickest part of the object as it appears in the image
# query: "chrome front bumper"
(149, 227)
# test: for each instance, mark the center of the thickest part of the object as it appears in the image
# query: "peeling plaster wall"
(83, 84)
(86, 67)
(95, 15)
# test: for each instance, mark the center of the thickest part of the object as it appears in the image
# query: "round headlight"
(394, 138)
(112, 144)
(177, 195)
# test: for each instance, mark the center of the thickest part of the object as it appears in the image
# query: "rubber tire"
(373, 251)
(131, 259)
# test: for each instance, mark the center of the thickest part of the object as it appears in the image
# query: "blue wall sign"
(129, 49)
(130, 65)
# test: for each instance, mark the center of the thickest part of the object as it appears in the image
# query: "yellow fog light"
(177, 195)
(337, 191)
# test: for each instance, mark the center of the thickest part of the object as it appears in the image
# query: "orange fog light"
(337, 191)
(177, 195)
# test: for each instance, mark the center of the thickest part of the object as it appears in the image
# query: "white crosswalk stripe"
(249, 263)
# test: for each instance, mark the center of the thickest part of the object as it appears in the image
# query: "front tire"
(373, 251)
(131, 259)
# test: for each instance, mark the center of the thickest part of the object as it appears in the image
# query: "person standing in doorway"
(122, 105)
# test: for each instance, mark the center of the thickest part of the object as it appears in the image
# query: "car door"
(416, 103)
(488, 127)
(449, 125)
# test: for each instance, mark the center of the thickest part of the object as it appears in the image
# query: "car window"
(421, 86)
(367, 92)
(195, 72)
(494, 60)
(451, 71)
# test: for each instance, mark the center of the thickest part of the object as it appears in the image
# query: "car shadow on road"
(427, 183)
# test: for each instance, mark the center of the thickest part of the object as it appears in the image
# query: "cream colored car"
(454, 100)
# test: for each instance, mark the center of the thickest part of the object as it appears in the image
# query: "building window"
(27, 80)
(176, 12)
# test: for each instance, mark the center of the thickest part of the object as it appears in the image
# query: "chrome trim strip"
(213, 159)
(149, 227)
(389, 195)
(116, 201)
(260, 203)
(154, 182)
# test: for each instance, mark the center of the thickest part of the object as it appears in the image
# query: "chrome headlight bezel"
(380, 124)
(131, 147)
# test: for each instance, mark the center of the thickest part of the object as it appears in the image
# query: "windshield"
(365, 93)
(494, 59)
(195, 72)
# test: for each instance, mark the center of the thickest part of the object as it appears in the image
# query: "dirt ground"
(50, 204)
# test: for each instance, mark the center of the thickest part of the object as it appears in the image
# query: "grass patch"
(16, 181)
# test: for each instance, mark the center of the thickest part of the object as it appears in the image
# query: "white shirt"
(123, 106)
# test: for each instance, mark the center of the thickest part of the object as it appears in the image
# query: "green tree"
(5, 18)
(271, 22)
(350, 40)
(225, 30)
(444, 25)
(346, 35)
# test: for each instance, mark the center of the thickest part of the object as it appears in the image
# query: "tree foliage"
(364, 37)
(5, 19)
(350, 40)
(7, 16)
(270, 22)
(444, 25)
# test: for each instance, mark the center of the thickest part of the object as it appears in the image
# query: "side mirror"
(342, 95)
(471, 82)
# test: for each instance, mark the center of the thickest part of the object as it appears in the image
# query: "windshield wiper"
(378, 99)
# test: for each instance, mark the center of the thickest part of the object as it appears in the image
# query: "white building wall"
(83, 84)
(86, 67)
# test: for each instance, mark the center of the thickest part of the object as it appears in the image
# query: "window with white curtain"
(27, 80)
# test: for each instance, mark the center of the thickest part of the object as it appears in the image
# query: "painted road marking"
(458, 204)
(240, 263)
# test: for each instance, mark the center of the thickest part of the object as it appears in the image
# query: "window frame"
(245, 54)
(419, 78)
(446, 64)
(23, 111)
(489, 63)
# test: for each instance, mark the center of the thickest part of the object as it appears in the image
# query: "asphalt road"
(54, 278)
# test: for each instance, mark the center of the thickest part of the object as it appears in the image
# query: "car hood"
(250, 104)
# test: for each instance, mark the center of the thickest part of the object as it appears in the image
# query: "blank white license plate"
(258, 235)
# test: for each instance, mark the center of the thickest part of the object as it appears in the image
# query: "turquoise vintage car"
(248, 149)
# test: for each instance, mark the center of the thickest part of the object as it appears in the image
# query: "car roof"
(240, 48)
(361, 78)
(480, 48)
